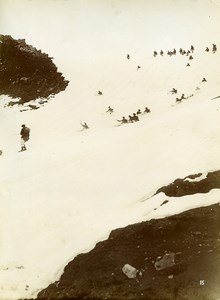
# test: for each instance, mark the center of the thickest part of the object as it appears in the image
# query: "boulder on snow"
(129, 271)
(167, 261)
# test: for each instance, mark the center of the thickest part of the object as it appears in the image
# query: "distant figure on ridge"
(110, 110)
(130, 119)
(100, 93)
(84, 125)
(25, 134)
(214, 48)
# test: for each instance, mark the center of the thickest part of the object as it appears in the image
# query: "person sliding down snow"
(110, 110)
(25, 135)
(84, 125)
(173, 91)
(123, 121)
(146, 110)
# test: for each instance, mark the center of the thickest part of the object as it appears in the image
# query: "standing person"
(128, 56)
(25, 135)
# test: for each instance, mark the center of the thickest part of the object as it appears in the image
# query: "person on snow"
(173, 91)
(188, 65)
(135, 117)
(128, 56)
(207, 49)
(84, 125)
(161, 52)
(130, 119)
(138, 112)
(138, 67)
(190, 57)
(214, 48)
(146, 110)
(110, 110)
(204, 80)
(99, 93)
(182, 97)
(155, 53)
(25, 135)
(192, 48)
(123, 121)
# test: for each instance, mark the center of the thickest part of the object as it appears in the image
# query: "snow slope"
(72, 187)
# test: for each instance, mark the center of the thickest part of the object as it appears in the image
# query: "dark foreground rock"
(27, 73)
(172, 258)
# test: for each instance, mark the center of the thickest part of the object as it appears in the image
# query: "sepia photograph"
(110, 149)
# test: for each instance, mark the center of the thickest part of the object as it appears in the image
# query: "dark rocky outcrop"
(191, 241)
(26, 73)
(182, 187)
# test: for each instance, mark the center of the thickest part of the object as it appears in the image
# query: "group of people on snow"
(134, 117)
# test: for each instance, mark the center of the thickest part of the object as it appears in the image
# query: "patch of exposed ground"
(27, 73)
(186, 186)
(177, 257)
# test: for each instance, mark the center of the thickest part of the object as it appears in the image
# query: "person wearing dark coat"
(25, 135)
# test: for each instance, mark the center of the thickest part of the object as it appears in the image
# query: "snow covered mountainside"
(72, 187)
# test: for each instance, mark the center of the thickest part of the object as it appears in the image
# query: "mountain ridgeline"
(27, 73)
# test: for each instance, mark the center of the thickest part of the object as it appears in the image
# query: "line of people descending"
(134, 117)
(187, 52)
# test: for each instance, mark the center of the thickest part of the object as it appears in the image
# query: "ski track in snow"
(72, 187)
